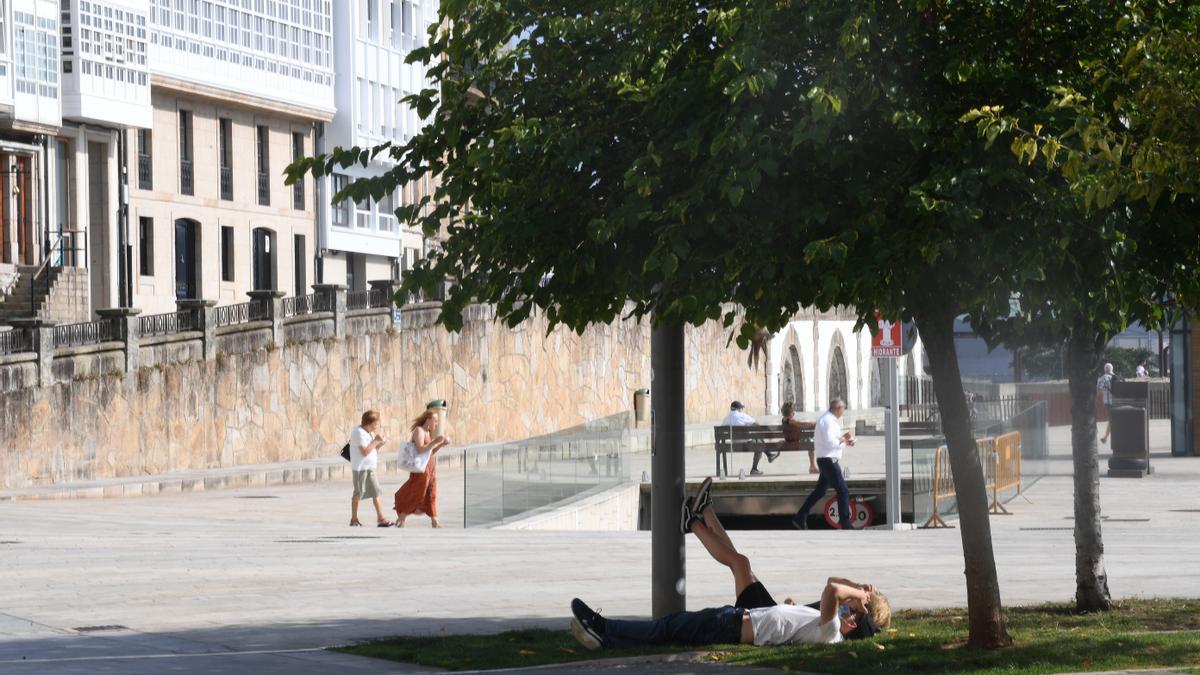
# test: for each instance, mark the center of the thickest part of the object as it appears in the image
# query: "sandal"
(385, 523)
(355, 523)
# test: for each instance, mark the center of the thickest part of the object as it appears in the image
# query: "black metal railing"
(187, 183)
(243, 312)
(145, 172)
(64, 250)
(167, 324)
(358, 300)
(373, 298)
(301, 305)
(15, 341)
(86, 333)
(264, 189)
(380, 298)
(227, 183)
(298, 195)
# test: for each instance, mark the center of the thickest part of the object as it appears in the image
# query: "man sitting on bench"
(737, 417)
(847, 610)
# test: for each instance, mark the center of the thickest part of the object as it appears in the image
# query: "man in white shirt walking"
(846, 611)
(829, 439)
(737, 417)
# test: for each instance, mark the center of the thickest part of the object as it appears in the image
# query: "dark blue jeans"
(831, 475)
(713, 626)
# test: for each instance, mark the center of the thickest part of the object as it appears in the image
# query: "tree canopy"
(603, 157)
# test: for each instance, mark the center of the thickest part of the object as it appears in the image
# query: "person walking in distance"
(419, 492)
(365, 442)
(1104, 383)
(828, 439)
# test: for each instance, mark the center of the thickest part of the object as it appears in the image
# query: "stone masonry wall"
(260, 402)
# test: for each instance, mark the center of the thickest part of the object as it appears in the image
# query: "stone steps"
(57, 301)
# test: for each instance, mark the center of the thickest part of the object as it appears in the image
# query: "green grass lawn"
(1049, 639)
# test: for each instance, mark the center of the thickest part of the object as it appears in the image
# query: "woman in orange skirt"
(419, 492)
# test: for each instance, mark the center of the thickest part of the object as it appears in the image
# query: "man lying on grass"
(847, 610)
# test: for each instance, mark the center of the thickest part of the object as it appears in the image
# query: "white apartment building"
(371, 39)
(30, 114)
(105, 90)
(239, 89)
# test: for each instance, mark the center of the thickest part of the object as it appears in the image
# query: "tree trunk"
(1084, 350)
(984, 612)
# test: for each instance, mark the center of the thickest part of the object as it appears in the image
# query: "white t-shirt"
(786, 624)
(827, 437)
(1142, 372)
(737, 418)
(359, 439)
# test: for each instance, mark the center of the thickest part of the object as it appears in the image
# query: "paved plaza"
(261, 578)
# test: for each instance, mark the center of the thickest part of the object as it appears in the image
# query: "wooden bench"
(757, 438)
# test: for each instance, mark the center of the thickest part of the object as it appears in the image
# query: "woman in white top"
(364, 457)
(419, 492)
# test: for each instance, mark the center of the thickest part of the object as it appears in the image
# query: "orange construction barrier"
(1000, 459)
(942, 486)
(1007, 469)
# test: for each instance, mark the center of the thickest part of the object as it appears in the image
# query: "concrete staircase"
(66, 302)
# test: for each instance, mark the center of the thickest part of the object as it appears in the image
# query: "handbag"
(346, 452)
(412, 461)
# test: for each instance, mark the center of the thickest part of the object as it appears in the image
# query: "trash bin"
(641, 406)
(443, 410)
(1130, 441)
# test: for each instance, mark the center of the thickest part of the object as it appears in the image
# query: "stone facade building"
(239, 92)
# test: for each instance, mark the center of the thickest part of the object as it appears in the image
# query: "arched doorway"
(876, 385)
(187, 259)
(263, 259)
(838, 381)
(788, 395)
(793, 360)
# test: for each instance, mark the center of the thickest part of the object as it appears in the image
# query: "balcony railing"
(302, 305)
(372, 298)
(358, 300)
(186, 182)
(243, 312)
(227, 183)
(145, 172)
(264, 189)
(86, 333)
(166, 324)
(15, 341)
(298, 195)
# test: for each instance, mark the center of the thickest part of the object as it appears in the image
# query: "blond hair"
(880, 610)
(423, 418)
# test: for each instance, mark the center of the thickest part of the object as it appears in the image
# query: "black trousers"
(831, 476)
